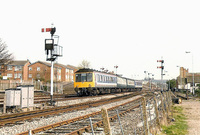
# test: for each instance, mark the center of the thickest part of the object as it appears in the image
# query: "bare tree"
(84, 64)
(5, 56)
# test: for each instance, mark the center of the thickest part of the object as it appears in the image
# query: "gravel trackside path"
(39, 122)
(192, 111)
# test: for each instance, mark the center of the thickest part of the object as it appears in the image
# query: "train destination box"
(13, 97)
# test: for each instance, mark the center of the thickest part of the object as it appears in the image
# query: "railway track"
(18, 117)
(78, 125)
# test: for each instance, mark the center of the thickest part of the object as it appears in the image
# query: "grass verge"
(179, 126)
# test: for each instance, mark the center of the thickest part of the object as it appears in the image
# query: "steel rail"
(13, 118)
(44, 128)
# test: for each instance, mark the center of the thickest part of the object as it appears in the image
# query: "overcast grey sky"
(128, 33)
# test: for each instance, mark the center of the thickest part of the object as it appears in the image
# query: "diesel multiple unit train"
(93, 82)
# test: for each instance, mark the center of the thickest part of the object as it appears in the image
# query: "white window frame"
(15, 76)
(9, 67)
(9, 75)
(29, 75)
(19, 75)
(38, 68)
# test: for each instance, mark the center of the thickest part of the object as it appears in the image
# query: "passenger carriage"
(93, 82)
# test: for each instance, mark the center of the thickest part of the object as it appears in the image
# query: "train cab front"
(83, 83)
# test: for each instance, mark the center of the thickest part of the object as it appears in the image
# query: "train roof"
(85, 70)
(92, 70)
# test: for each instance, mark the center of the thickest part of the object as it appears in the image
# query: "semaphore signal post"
(53, 50)
(162, 68)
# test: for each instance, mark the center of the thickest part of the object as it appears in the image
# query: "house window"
(9, 75)
(30, 68)
(38, 68)
(19, 76)
(9, 67)
(72, 77)
(67, 70)
(59, 77)
(38, 75)
(30, 76)
(17, 68)
(15, 76)
(59, 70)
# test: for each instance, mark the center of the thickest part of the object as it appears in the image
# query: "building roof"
(64, 66)
(57, 65)
(45, 63)
(19, 62)
(72, 67)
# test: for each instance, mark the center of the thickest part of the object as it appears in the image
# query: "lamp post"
(180, 77)
(192, 73)
(116, 68)
(145, 75)
(150, 80)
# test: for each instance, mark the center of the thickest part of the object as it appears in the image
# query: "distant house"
(42, 71)
(26, 71)
(67, 73)
(73, 67)
(16, 70)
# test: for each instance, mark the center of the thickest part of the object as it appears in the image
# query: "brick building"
(185, 79)
(67, 72)
(26, 71)
(16, 70)
(42, 71)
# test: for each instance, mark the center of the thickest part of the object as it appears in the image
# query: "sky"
(132, 34)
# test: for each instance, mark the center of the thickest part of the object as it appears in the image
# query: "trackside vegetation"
(179, 126)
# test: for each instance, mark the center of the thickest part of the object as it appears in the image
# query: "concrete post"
(145, 116)
(157, 114)
(106, 122)
(163, 109)
(4, 104)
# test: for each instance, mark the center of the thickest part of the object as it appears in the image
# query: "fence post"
(145, 116)
(4, 104)
(29, 132)
(170, 99)
(106, 122)
(157, 114)
(91, 125)
(163, 109)
(166, 103)
(120, 122)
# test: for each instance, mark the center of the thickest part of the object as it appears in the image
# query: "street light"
(180, 78)
(116, 68)
(146, 72)
(150, 80)
(193, 92)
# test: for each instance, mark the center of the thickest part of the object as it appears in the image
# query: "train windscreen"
(84, 77)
